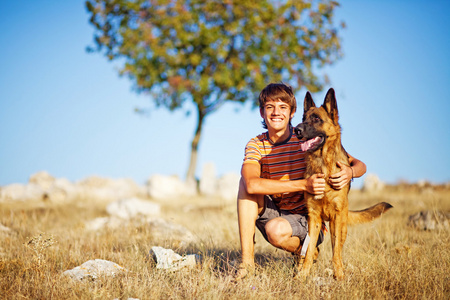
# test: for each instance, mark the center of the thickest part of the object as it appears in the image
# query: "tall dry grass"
(383, 259)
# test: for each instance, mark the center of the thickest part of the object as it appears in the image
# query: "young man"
(272, 185)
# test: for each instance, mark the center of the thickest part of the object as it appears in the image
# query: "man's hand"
(342, 178)
(315, 184)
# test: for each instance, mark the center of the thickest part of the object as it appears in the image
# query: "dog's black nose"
(298, 131)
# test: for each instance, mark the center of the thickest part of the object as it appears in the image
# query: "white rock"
(372, 184)
(208, 180)
(43, 186)
(20, 192)
(430, 220)
(132, 207)
(107, 189)
(43, 179)
(62, 190)
(166, 187)
(93, 269)
(169, 260)
(228, 186)
(190, 187)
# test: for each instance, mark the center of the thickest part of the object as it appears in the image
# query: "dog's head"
(319, 123)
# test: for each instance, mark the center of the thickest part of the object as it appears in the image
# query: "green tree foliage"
(209, 51)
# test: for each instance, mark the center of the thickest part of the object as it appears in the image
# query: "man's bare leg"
(248, 207)
(279, 234)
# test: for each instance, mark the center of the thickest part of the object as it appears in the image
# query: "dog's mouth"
(313, 144)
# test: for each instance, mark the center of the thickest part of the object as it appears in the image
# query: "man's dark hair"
(277, 91)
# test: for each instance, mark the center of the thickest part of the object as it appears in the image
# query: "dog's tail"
(368, 214)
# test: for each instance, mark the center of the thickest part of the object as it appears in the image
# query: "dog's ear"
(308, 103)
(330, 105)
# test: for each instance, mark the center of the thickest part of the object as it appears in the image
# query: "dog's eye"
(316, 119)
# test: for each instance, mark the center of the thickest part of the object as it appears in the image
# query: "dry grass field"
(385, 259)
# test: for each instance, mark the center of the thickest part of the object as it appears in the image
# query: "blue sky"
(68, 112)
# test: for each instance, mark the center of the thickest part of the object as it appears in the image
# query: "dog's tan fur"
(332, 206)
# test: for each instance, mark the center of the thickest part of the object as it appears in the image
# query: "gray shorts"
(299, 223)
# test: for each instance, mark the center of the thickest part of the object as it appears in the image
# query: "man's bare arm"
(357, 169)
(256, 185)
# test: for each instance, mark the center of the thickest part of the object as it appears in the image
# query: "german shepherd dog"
(322, 132)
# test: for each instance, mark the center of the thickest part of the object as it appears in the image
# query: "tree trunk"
(190, 176)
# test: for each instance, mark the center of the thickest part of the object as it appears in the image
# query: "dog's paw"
(339, 275)
(318, 197)
(300, 276)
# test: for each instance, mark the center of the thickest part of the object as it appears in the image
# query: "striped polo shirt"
(280, 161)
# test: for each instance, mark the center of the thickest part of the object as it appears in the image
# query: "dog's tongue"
(310, 143)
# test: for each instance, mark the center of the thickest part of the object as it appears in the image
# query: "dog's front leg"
(338, 231)
(314, 224)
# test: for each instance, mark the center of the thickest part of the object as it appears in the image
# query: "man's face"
(277, 114)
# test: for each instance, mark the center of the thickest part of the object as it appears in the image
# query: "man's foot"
(297, 262)
(243, 271)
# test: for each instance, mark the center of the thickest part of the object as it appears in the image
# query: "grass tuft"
(383, 259)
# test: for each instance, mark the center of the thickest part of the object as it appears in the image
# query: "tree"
(209, 52)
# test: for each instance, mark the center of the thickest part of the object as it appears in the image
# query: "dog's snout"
(298, 130)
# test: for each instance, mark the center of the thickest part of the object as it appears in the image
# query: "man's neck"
(279, 136)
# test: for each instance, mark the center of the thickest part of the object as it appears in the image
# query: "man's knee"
(278, 231)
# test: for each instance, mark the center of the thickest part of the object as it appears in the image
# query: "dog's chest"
(329, 205)
(315, 165)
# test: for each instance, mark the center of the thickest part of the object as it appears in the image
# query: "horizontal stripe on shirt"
(282, 161)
